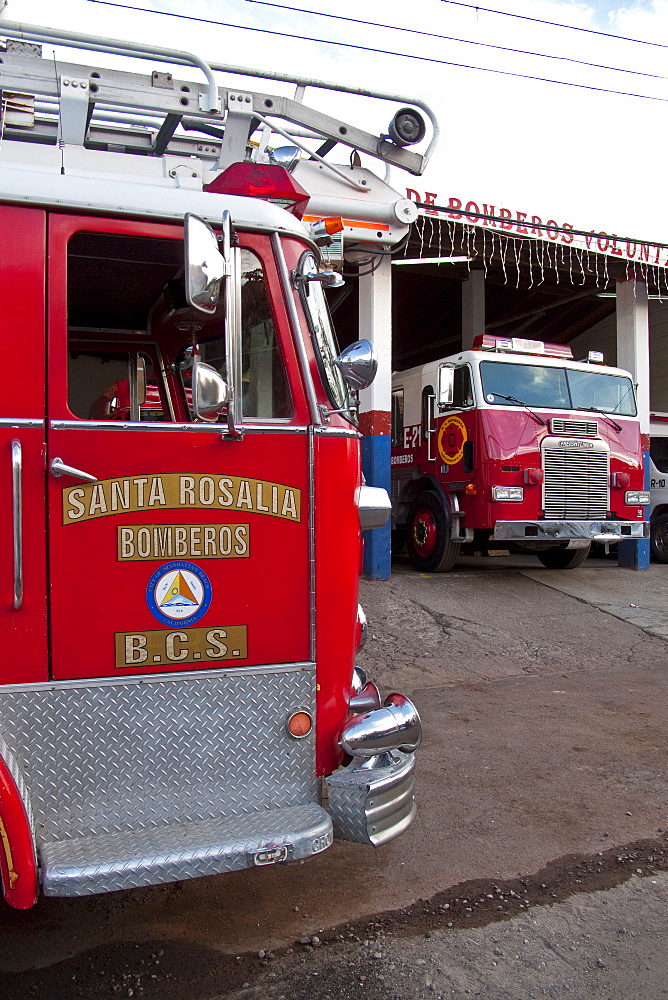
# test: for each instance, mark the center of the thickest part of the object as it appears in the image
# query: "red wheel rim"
(424, 533)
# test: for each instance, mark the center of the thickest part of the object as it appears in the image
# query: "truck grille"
(576, 484)
(576, 428)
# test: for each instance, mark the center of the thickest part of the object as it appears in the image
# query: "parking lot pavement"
(638, 598)
(545, 722)
(603, 946)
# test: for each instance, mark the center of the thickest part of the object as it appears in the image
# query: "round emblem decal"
(178, 593)
(451, 440)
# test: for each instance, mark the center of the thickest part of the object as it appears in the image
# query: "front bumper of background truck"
(566, 531)
(371, 801)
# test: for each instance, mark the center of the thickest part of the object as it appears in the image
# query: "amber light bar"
(518, 345)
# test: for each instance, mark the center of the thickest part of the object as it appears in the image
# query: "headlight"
(507, 493)
(636, 498)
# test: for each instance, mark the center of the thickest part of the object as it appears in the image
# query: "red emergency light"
(518, 345)
(262, 180)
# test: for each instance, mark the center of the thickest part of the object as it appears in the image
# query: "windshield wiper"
(614, 423)
(520, 402)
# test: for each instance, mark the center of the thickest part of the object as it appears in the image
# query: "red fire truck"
(515, 446)
(182, 499)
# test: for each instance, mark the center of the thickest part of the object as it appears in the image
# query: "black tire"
(658, 538)
(428, 539)
(563, 558)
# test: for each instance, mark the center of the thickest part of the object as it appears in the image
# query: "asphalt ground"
(543, 777)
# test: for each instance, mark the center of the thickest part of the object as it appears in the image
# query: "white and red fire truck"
(515, 446)
(182, 501)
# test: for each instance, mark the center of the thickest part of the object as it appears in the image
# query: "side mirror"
(205, 265)
(446, 386)
(210, 392)
(358, 364)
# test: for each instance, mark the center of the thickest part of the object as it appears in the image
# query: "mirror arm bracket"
(326, 413)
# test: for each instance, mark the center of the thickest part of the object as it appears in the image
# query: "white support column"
(633, 341)
(633, 355)
(375, 324)
(473, 308)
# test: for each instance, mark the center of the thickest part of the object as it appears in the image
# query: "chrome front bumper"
(563, 531)
(371, 801)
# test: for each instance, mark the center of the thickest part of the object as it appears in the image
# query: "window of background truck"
(463, 390)
(594, 390)
(533, 384)
(427, 411)
(658, 449)
(322, 334)
(557, 388)
(397, 418)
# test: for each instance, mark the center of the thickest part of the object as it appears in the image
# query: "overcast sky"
(593, 159)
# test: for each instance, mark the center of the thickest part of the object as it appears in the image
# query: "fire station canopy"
(551, 289)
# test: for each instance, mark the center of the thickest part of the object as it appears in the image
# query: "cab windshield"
(556, 388)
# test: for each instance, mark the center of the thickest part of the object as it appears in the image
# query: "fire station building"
(471, 267)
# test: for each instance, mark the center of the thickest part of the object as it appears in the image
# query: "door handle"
(58, 469)
(17, 521)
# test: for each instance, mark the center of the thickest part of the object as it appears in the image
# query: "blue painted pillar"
(375, 324)
(633, 354)
(635, 554)
(377, 542)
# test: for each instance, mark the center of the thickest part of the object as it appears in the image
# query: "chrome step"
(82, 866)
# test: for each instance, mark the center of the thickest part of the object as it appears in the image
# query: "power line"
(386, 52)
(451, 38)
(555, 24)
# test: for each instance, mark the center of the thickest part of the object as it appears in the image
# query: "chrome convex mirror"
(205, 265)
(358, 364)
(446, 386)
(210, 391)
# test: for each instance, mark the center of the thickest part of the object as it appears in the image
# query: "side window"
(427, 411)
(265, 388)
(126, 302)
(265, 383)
(113, 284)
(397, 418)
(102, 384)
(658, 449)
(463, 389)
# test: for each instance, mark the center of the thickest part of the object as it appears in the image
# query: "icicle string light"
(533, 259)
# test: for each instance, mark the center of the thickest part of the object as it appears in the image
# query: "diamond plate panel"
(113, 757)
(116, 861)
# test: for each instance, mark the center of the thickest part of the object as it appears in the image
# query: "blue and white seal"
(179, 593)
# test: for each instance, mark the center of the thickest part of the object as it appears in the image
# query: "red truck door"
(171, 547)
(22, 537)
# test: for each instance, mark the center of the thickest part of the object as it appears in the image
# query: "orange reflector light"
(300, 725)
(333, 225)
(471, 489)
